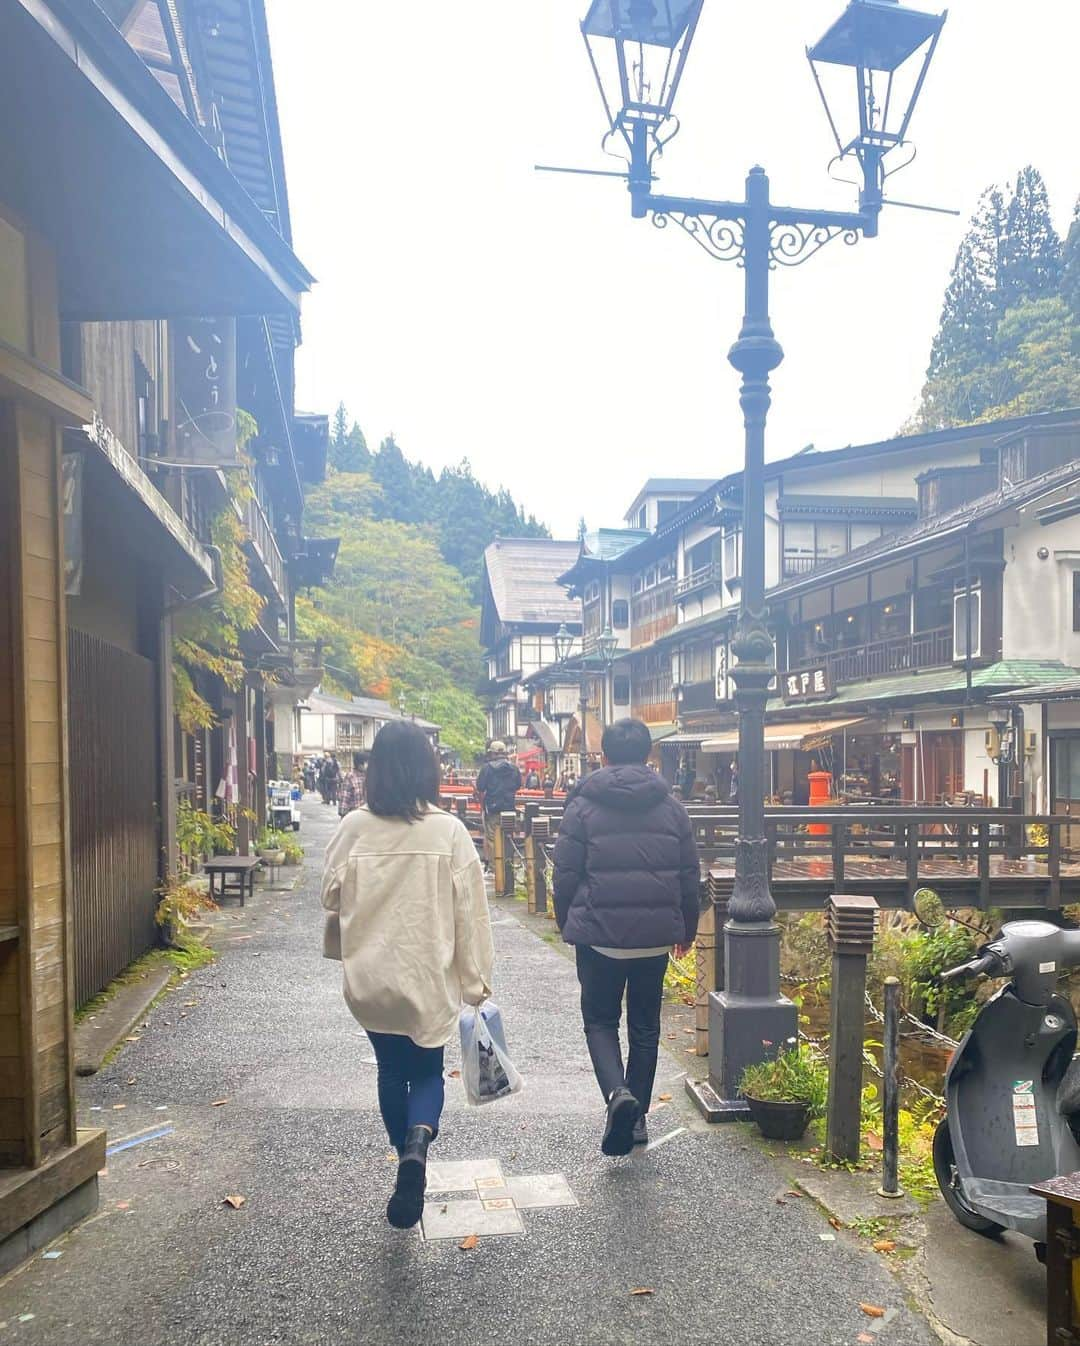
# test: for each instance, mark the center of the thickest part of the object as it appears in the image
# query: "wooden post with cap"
(851, 922)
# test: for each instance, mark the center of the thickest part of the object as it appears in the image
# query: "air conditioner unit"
(1031, 743)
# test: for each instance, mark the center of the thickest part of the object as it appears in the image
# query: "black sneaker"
(641, 1132)
(622, 1115)
(406, 1205)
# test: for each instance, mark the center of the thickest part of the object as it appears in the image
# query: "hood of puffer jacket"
(632, 788)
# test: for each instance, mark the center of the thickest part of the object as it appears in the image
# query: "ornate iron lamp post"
(889, 47)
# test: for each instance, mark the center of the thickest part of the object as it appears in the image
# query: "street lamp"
(564, 643)
(882, 42)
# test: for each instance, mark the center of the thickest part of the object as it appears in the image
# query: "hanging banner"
(204, 371)
(71, 504)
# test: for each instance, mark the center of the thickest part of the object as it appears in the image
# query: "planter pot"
(272, 857)
(780, 1121)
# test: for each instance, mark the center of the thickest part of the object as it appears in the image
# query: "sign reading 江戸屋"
(807, 684)
(204, 368)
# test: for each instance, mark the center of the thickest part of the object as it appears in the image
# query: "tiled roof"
(523, 574)
(1068, 689)
(363, 707)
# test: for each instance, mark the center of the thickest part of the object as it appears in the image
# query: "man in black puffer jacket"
(627, 890)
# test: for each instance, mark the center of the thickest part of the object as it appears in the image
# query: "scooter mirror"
(929, 909)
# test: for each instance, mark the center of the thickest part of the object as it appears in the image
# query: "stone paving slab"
(464, 1175)
(459, 1219)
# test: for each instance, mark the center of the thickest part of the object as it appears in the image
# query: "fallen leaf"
(835, 1222)
(642, 1290)
(118, 1107)
(672, 1036)
(780, 1201)
(691, 1051)
(691, 1031)
(874, 1142)
(665, 1098)
(235, 1200)
(468, 1244)
(455, 1074)
(219, 1102)
(872, 1310)
(793, 1192)
(885, 1246)
(131, 1081)
(132, 1039)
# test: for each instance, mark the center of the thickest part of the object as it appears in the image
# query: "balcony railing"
(802, 565)
(882, 658)
(713, 573)
(265, 547)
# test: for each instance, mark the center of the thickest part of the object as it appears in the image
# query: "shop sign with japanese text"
(807, 684)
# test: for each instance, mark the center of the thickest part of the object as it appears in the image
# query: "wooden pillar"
(1062, 1259)
(49, 1163)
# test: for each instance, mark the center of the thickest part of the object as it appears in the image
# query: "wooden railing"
(265, 546)
(971, 857)
(890, 655)
(713, 573)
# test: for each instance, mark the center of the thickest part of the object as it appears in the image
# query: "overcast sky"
(478, 309)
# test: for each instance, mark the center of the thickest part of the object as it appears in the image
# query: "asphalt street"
(264, 1035)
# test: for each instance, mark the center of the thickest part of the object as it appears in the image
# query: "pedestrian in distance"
(532, 779)
(627, 891)
(329, 776)
(497, 786)
(351, 793)
(407, 916)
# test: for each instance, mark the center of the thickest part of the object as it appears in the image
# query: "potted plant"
(787, 1093)
(294, 852)
(270, 846)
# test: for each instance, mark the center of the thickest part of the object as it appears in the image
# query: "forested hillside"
(401, 616)
(1009, 339)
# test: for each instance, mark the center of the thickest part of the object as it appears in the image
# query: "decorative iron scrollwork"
(721, 239)
(793, 244)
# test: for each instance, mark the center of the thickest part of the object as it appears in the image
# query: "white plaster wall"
(889, 475)
(976, 762)
(1037, 593)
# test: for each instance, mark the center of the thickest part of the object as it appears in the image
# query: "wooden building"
(120, 221)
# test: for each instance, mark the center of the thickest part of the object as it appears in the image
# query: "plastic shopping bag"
(486, 1069)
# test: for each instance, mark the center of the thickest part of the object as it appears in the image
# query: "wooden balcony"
(887, 657)
(710, 576)
(265, 548)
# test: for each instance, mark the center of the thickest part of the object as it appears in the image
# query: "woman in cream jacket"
(407, 916)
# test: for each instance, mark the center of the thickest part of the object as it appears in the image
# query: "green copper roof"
(1004, 676)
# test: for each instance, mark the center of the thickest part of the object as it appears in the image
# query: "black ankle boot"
(406, 1205)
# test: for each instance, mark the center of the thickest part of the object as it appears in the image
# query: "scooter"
(1012, 1088)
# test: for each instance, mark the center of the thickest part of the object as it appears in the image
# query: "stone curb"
(95, 1038)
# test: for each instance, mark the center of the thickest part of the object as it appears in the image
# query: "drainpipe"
(967, 617)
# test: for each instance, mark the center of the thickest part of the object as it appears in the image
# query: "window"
(643, 517)
(967, 609)
(699, 558)
(650, 579)
(620, 690)
(638, 584)
(1076, 600)
(667, 509)
(620, 614)
(733, 555)
(862, 533)
(145, 417)
(666, 569)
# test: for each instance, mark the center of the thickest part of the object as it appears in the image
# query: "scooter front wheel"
(945, 1172)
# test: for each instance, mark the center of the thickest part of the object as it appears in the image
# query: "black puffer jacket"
(626, 865)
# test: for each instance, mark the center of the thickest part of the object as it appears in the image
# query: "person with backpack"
(627, 891)
(497, 785)
(329, 775)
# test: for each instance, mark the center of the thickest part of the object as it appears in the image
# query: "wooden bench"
(231, 876)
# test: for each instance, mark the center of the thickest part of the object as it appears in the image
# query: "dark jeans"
(411, 1086)
(603, 982)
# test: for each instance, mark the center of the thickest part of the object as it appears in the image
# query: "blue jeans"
(411, 1088)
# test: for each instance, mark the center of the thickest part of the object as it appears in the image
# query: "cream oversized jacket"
(407, 916)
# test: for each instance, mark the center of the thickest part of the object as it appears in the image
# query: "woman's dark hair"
(403, 772)
(626, 742)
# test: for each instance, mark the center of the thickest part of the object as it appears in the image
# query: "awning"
(544, 735)
(783, 737)
(660, 733)
(685, 740)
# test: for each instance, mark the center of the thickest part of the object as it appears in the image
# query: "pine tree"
(1070, 275)
(394, 475)
(348, 447)
(582, 529)
(1031, 256)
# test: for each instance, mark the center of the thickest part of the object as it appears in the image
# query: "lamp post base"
(749, 1020)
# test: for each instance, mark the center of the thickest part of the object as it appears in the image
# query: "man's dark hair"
(359, 760)
(403, 772)
(626, 743)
